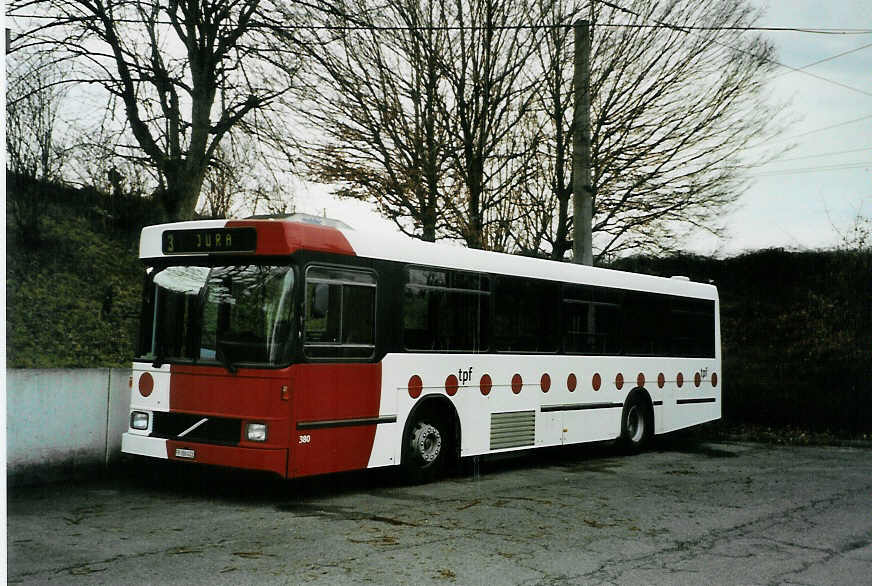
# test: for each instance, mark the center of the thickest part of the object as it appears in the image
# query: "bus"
(300, 346)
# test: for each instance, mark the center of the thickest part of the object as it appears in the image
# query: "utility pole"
(582, 192)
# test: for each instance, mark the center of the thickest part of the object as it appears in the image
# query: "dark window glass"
(645, 328)
(525, 315)
(430, 278)
(446, 311)
(340, 313)
(598, 320)
(693, 327)
(591, 320)
(324, 313)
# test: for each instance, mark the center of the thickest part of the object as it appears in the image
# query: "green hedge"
(796, 331)
(73, 281)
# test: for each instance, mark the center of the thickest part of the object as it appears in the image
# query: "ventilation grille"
(513, 429)
(215, 430)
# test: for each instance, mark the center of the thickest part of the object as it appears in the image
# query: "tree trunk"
(475, 224)
(179, 198)
(561, 243)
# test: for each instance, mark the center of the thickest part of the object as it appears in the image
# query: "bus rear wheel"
(425, 449)
(637, 424)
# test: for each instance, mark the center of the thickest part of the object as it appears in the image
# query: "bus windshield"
(230, 315)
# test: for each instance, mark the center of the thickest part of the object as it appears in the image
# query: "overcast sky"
(795, 203)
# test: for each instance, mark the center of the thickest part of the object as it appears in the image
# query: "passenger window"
(591, 320)
(526, 315)
(446, 311)
(340, 313)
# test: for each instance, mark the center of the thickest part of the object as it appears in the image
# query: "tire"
(637, 424)
(426, 449)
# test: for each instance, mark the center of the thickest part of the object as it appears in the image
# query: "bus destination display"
(209, 240)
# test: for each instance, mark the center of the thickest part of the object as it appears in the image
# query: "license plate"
(184, 453)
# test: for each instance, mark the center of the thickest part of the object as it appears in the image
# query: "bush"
(73, 293)
(796, 331)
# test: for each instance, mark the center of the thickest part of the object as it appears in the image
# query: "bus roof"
(288, 234)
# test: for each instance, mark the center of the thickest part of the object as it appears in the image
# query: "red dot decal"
(485, 384)
(661, 380)
(697, 380)
(451, 385)
(415, 386)
(517, 383)
(545, 382)
(146, 384)
(571, 382)
(619, 381)
(714, 379)
(640, 380)
(596, 382)
(679, 379)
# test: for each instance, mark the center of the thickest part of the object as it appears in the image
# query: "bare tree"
(187, 74)
(672, 109)
(238, 179)
(376, 101)
(35, 148)
(221, 184)
(419, 105)
(857, 236)
(489, 86)
(34, 143)
(549, 194)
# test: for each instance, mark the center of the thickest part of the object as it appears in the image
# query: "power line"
(820, 77)
(818, 62)
(688, 30)
(816, 130)
(817, 156)
(807, 133)
(802, 170)
(388, 28)
(659, 24)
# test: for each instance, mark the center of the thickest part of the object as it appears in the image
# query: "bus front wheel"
(425, 449)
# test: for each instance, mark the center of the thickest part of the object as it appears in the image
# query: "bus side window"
(324, 316)
(357, 311)
(591, 320)
(339, 313)
(693, 327)
(446, 311)
(525, 315)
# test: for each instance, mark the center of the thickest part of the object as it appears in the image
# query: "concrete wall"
(63, 423)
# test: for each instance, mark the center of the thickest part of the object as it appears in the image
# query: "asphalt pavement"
(685, 512)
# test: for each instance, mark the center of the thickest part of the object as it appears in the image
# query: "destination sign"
(211, 240)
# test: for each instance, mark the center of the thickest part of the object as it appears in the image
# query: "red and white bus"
(300, 346)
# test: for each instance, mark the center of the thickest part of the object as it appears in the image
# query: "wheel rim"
(635, 425)
(426, 443)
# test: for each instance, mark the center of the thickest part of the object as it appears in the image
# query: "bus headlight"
(139, 420)
(255, 432)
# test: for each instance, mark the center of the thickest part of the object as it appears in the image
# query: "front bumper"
(267, 459)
